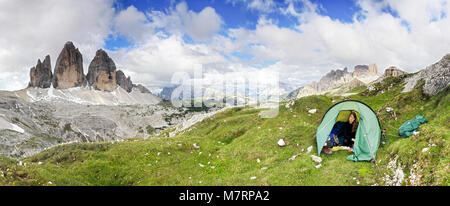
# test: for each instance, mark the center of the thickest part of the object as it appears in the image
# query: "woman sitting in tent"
(342, 134)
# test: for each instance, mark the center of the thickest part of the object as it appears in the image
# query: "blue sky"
(235, 15)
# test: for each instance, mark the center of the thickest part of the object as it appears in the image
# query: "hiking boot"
(327, 151)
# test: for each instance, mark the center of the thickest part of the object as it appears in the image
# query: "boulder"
(316, 158)
(102, 72)
(123, 81)
(312, 111)
(69, 68)
(281, 143)
(41, 75)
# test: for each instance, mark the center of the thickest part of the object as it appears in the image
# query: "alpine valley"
(68, 128)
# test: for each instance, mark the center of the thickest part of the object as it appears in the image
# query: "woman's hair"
(355, 122)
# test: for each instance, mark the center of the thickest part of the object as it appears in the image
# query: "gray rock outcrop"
(362, 75)
(69, 68)
(102, 72)
(41, 74)
(373, 70)
(393, 71)
(331, 80)
(123, 81)
(364, 70)
(360, 70)
(436, 76)
(141, 88)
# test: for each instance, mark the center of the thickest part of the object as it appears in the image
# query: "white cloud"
(33, 29)
(133, 24)
(179, 20)
(155, 61)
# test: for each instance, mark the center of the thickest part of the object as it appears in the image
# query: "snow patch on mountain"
(88, 96)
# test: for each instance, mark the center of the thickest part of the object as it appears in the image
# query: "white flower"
(309, 149)
(252, 178)
(201, 165)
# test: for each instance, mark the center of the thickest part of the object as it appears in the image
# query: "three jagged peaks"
(68, 73)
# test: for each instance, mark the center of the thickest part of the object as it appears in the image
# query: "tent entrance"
(343, 140)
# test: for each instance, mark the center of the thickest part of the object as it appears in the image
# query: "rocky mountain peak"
(360, 70)
(69, 68)
(102, 72)
(68, 73)
(123, 81)
(373, 70)
(338, 77)
(41, 74)
(393, 71)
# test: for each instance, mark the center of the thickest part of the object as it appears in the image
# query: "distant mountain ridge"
(336, 78)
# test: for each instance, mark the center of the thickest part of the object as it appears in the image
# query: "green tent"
(368, 134)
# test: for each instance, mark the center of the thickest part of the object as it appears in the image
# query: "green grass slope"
(237, 147)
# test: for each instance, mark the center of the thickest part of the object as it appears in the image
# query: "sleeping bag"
(410, 126)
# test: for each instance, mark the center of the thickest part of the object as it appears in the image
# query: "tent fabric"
(410, 126)
(368, 134)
